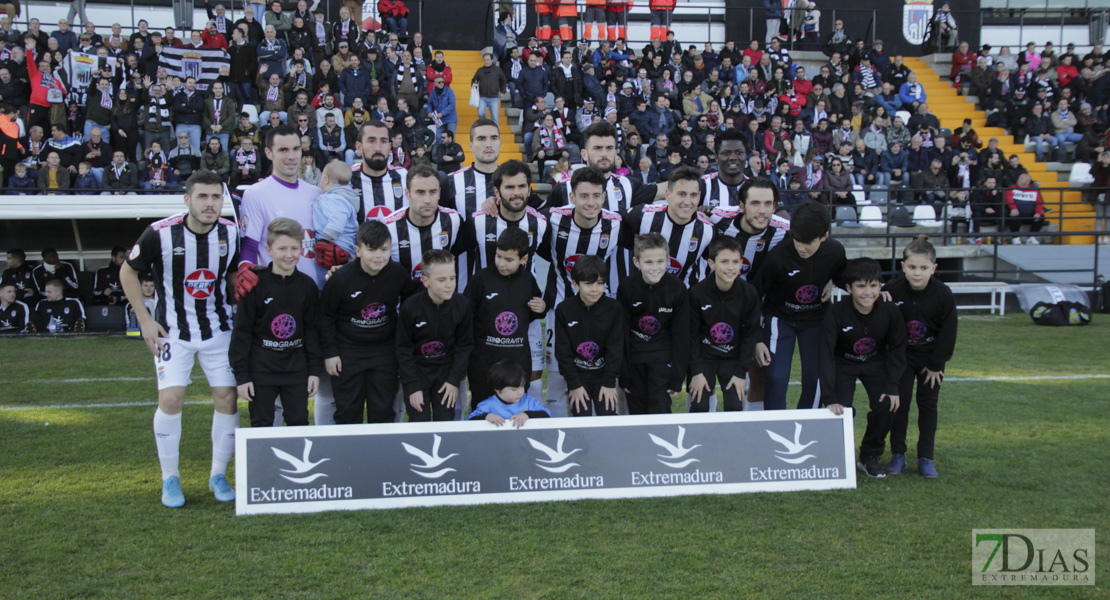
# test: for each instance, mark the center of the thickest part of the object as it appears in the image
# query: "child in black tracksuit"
(724, 320)
(275, 349)
(864, 338)
(929, 311)
(435, 335)
(589, 341)
(358, 325)
(792, 281)
(505, 299)
(657, 340)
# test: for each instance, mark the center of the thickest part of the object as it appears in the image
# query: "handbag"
(474, 95)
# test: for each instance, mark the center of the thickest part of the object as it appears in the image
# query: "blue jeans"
(104, 131)
(398, 25)
(1050, 141)
(223, 137)
(194, 134)
(98, 174)
(1068, 138)
(446, 126)
(243, 92)
(494, 106)
(528, 144)
(779, 335)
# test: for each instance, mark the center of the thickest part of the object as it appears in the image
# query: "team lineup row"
(438, 336)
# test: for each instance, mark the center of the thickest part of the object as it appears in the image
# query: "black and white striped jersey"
(410, 242)
(567, 242)
(15, 317)
(686, 243)
(756, 246)
(190, 270)
(478, 239)
(718, 194)
(621, 194)
(465, 190)
(381, 196)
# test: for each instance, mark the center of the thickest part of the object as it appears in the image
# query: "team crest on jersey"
(531, 238)
(693, 244)
(66, 311)
(134, 252)
(603, 243)
(243, 222)
(568, 262)
(397, 191)
(443, 239)
(760, 245)
(200, 283)
(618, 193)
(223, 247)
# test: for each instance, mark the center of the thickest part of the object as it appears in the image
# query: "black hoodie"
(434, 341)
(275, 339)
(589, 342)
(931, 321)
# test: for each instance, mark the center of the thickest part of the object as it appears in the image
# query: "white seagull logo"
(431, 461)
(554, 456)
(792, 447)
(676, 450)
(300, 465)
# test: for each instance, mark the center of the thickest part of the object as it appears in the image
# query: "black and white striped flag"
(202, 63)
(80, 68)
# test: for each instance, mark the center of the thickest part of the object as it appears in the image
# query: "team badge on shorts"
(603, 243)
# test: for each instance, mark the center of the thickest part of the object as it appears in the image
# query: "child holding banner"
(864, 338)
(508, 378)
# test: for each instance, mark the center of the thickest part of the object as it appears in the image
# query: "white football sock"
(223, 441)
(167, 437)
(324, 407)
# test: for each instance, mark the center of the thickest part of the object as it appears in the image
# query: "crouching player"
(275, 348)
(505, 300)
(589, 341)
(929, 310)
(435, 335)
(658, 329)
(509, 402)
(724, 319)
(863, 338)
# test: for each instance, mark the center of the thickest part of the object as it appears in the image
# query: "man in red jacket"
(45, 88)
(1024, 204)
(963, 61)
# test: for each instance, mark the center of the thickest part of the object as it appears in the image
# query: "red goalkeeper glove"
(246, 280)
(329, 255)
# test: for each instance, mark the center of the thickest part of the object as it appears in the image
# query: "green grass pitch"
(80, 515)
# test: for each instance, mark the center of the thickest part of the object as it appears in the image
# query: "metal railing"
(996, 233)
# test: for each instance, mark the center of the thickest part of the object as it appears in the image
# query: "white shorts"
(175, 363)
(535, 344)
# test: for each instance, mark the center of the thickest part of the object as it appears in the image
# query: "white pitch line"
(999, 378)
(91, 379)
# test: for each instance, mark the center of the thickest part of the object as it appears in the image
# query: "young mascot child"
(505, 299)
(724, 319)
(795, 281)
(657, 349)
(435, 335)
(275, 347)
(589, 341)
(358, 324)
(509, 402)
(864, 338)
(929, 310)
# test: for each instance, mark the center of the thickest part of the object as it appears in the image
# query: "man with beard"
(758, 230)
(599, 150)
(480, 232)
(381, 186)
(720, 189)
